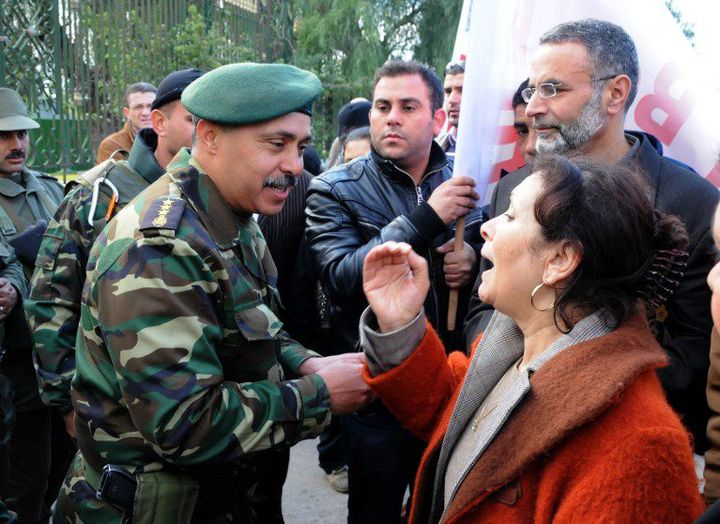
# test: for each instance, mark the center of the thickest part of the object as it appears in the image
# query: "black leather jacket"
(356, 206)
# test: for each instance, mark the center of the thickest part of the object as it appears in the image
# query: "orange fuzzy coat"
(594, 440)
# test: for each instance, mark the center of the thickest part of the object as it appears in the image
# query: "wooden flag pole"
(453, 300)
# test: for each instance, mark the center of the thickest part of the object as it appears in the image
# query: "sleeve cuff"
(313, 403)
(385, 351)
(427, 222)
(294, 355)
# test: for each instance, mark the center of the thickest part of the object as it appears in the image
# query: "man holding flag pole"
(401, 191)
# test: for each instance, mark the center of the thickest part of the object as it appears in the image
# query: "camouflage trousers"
(76, 502)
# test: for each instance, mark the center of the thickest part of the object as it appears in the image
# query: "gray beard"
(572, 135)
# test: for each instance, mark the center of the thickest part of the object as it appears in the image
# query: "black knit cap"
(173, 85)
(353, 115)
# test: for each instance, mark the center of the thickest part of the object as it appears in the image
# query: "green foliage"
(350, 39)
(436, 30)
(345, 41)
(73, 59)
(130, 41)
(194, 44)
(111, 58)
(26, 26)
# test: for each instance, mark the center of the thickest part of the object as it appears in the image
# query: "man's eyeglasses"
(140, 107)
(550, 89)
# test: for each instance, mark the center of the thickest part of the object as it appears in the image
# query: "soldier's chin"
(274, 200)
(277, 192)
(15, 164)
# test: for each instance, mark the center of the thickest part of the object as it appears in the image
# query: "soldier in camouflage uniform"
(184, 374)
(53, 307)
(26, 198)
(13, 286)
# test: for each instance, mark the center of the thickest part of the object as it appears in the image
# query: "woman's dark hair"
(607, 210)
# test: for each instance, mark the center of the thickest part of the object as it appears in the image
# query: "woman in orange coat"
(558, 416)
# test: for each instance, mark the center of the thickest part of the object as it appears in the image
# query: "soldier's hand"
(8, 297)
(454, 198)
(315, 364)
(348, 391)
(458, 267)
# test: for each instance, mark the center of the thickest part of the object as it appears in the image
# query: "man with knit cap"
(53, 307)
(353, 115)
(185, 380)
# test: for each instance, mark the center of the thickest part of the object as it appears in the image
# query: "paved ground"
(307, 498)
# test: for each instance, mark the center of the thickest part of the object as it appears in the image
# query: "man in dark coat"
(583, 79)
(401, 191)
(284, 233)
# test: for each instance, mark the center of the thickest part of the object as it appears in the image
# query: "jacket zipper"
(420, 200)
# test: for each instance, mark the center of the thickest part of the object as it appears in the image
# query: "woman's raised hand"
(395, 281)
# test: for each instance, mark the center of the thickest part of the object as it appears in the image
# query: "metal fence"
(71, 59)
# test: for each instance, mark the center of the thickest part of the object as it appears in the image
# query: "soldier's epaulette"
(46, 176)
(163, 213)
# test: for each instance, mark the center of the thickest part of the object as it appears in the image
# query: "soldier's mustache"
(279, 182)
(18, 153)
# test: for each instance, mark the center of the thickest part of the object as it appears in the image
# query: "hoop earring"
(532, 299)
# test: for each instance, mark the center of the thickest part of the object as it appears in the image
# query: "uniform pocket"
(48, 253)
(257, 322)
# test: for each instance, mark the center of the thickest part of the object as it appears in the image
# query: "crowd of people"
(211, 293)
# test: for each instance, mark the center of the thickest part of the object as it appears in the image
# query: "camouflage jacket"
(12, 270)
(181, 360)
(53, 307)
(26, 198)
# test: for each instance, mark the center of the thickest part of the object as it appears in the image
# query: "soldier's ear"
(159, 122)
(207, 136)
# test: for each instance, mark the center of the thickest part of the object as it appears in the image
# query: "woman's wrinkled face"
(514, 245)
(713, 278)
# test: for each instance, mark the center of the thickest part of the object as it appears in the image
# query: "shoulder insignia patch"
(40, 174)
(163, 213)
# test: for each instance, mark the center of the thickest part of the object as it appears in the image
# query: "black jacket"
(683, 328)
(284, 234)
(357, 206)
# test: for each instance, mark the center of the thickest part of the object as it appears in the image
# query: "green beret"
(245, 93)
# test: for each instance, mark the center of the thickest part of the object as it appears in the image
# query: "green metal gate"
(71, 60)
